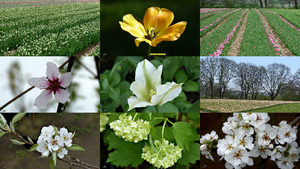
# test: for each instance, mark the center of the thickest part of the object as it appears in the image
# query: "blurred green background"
(117, 42)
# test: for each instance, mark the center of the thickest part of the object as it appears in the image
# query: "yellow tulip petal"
(158, 19)
(172, 33)
(139, 40)
(132, 26)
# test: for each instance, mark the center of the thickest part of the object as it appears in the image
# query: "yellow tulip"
(156, 26)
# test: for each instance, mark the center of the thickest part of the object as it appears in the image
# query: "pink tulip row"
(207, 26)
(229, 36)
(284, 20)
(206, 10)
(271, 38)
(212, 13)
(31, 2)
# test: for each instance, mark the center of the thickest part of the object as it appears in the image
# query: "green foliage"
(190, 157)
(126, 153)
(75, 147)
(17, 117)
(184, 134)
(53, 160)
(282, 108)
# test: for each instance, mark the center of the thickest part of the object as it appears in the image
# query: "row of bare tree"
(248, 79)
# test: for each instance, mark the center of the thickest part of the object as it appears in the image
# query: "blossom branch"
(21, 94)
(70, 65)
(84, 66)
(97, 62)
(295, 121)
(78, 163)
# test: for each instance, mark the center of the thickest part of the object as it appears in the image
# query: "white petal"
(156, 76)
(62, 96)
(52, 71)
(135, 102)
(41, 83)
(172, 93)
(43, 99)
(139, 89)
(144, 68)
(161, 90)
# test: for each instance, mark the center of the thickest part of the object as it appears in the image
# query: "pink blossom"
(52, 83)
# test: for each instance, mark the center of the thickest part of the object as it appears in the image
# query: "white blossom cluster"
(207, 141)
(248, 135)
(163, 155)
(51, 140)
(130, 130)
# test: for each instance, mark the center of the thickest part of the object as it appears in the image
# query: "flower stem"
(70, 65)
(134, 116)
(156, 108)
(163, 128)
(149, 51)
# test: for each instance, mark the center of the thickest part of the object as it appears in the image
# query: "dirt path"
(277, 40)
(211, 31)
(88, 50)
(234, 49)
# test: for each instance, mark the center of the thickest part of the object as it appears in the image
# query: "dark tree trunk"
(266, 3)
(296, 4)
(261, 4)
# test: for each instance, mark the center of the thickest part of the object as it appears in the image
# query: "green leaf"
(2, 133)
(33, 148)
(114, 79)
(75, 147)
(30, 140)
(2, 119)
(53, 160)
(125, 153)
(190, 156)
(181, 76)
(170, 67)
(114, 92)
(195, 108)
(191, 86)
(17, 142)
(184, 134)
(17, 117)
(165, 108)
(168, 133)
(12, 127)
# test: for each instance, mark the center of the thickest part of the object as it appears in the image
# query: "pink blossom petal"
(43, 99)
(62, 96)
(41, 83)
(52, 71)
(65, 79)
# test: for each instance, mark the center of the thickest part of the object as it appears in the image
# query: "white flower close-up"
(54, 83)
(148, 89)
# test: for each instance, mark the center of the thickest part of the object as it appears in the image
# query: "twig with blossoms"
(51, 141)
(21, 94)
(270, 37)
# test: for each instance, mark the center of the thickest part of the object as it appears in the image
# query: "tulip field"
(249, 32)
(50, 30)
(232, 105)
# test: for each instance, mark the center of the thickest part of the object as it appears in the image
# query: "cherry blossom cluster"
(284, 20)
(51, 140)
(229, 36)
(270, 37)
(211, 14)
(207, 142)
(206, 10)
(131, 130)
(163, 155)
(205, 27)
(248, 135)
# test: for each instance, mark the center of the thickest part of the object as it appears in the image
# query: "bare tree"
(203, 78)
(210, 66)
(277, 75)
(257, 75)
(227, 71)
(241, 80)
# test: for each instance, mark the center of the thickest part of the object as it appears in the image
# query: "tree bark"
(261, 4)
(296, 4)
(266, 3)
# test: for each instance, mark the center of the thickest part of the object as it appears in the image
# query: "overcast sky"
(36, 67)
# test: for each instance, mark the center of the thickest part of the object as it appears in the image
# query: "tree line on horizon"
(249, 81)
(248, 3)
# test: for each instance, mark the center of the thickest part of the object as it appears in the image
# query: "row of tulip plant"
(212, 13)
(207, 10)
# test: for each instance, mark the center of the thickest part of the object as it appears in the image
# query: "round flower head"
(130, 130)
(165, 155)
(53, 83)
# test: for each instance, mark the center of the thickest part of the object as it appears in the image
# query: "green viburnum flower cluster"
(130, 130)
(166, 155)
(103, 121)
